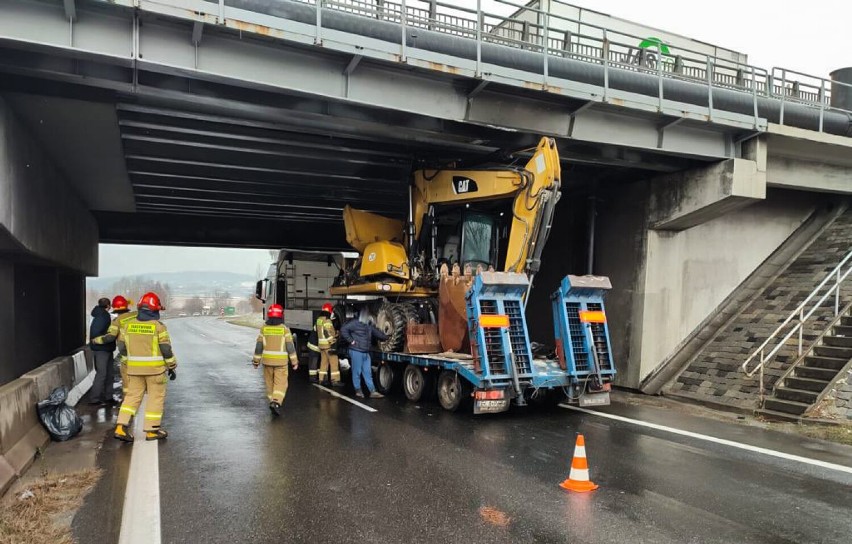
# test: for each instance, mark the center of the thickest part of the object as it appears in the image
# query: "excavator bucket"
(452, 313)
(422, 339)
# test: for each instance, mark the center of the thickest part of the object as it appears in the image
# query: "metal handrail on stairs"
(797, 319)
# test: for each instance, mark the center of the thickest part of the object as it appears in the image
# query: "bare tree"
(194, 305)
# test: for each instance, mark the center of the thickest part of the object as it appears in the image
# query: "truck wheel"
(451, 390)
(387, 378)
(391, 321)
(414, 383)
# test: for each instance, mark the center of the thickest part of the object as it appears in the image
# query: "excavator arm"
(535, 189)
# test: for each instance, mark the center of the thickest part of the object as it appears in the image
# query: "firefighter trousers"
(329, 358)
(137, 386)
(276, 382)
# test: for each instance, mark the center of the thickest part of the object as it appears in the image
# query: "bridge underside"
(170, 128)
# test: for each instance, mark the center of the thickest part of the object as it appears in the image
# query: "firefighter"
(121, 307)
(326, 341)
(274, 348)
(144, 342)
(314, 357)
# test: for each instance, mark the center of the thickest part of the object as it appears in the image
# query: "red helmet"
(276, 310)
(120, 303)
(151, 301)
(327, 307)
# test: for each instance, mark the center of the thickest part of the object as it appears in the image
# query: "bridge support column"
(48, 244)
(676, 249)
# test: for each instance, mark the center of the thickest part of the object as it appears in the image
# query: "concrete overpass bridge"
(252, 122)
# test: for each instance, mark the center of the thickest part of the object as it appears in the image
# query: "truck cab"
(300, 282)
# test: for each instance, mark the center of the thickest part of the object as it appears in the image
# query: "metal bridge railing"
(829, 290)
(554, 35)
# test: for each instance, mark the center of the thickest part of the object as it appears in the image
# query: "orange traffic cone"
(578, 478)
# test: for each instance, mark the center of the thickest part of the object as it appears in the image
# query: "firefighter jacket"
(145, 342)
(275, 345)
(326, 335)
(114, 328)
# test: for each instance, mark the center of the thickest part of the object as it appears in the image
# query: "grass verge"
(842, 434)
(39, 513)
(254, 321)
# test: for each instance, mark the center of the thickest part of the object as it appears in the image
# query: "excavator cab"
(460, 221)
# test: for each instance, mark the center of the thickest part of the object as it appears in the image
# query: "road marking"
(707, 438)
(140, 518)
(344, 397)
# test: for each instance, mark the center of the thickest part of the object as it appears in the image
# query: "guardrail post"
(659, 78)
(606, 65)
(754, 96)
(380, 9)
(546, 40)
(783, 94)
(404, 20)
(318, 35)
(566, 43)
(762, 361)
(710, 88)
(478, 38)
(821, 103)
(433, 13)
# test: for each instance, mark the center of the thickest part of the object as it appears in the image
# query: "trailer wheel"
(390, 319)
(451, 391)
(414, 383)
(388, 378)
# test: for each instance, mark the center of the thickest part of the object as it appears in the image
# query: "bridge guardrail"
(555, 35)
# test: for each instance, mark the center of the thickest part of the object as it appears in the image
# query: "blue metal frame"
(572, 337)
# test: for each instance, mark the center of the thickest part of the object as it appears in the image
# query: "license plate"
(490, 406)
(594, 399)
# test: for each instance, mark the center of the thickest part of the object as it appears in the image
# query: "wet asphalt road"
(328, 471)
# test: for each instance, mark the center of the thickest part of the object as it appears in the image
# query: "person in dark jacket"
(101, 392)
(360, 333)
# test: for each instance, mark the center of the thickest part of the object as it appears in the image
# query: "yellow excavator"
(460, 221)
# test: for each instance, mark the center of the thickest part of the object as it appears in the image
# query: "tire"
(391, 321)
(388, 378)
(410, 312)
(548, 400)
(451, 391)
(414, 383)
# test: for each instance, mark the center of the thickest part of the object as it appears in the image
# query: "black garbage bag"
(60, 420)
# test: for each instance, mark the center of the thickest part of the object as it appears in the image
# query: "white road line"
(344, 397)
(707, 438)
(140, 518)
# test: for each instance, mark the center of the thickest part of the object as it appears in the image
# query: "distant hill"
(190, 283)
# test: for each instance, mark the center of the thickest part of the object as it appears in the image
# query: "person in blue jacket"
(360, 333)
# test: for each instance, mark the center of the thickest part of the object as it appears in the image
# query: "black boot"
(275, 408)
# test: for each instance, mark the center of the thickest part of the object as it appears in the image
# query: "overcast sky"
(808, 37)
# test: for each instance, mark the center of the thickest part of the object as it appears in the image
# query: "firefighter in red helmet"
(326, 342)
(144, 341)
(274, 349)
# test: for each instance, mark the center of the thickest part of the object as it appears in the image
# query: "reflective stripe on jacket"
(326, 335)
(275, 346)
(147, 347)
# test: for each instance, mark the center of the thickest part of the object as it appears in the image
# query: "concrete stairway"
(712, 373)
(813, 374)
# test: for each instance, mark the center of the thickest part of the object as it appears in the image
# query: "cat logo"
(371, 257)
(462, 185)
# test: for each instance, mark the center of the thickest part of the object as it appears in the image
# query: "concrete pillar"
(666, 283)
(72, 310)
(7, 322)
(48, 243)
